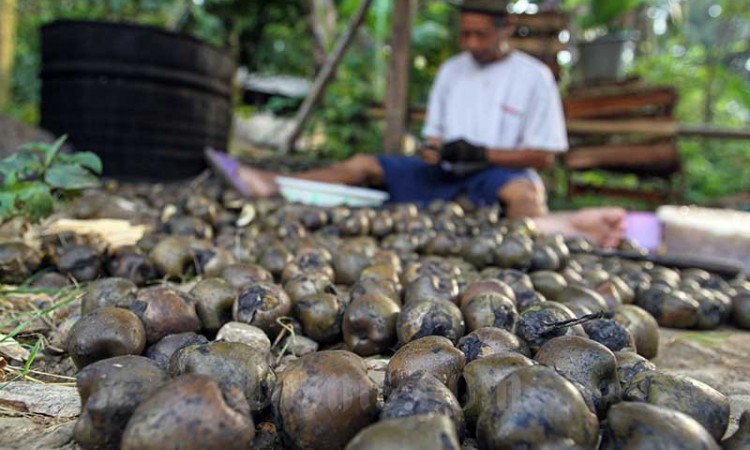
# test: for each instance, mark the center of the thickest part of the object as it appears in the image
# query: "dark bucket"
(147, 101)
(603, 59)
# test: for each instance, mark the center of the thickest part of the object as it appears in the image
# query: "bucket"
(603, 59)
(147, 101)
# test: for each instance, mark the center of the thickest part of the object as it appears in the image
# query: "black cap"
(490, 7)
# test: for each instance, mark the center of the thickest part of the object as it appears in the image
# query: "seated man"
(494, 117)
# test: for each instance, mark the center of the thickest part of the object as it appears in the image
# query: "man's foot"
(604, 226)
(261, 183)
(247, 181)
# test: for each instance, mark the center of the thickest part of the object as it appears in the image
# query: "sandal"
(228, 169)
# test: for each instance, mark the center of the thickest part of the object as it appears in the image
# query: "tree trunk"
(397, 94)
(8, 20)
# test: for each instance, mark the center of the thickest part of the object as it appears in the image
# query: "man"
(494, 117)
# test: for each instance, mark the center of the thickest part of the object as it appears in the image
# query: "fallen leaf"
(10, 348)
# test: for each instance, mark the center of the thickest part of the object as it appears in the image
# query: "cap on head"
(490, 7)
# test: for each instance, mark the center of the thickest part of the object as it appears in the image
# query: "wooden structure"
(397, 93)
(628, 128)
(539, 36)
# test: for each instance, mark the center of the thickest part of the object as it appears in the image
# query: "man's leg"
(604, 226)
(359, 170)
(523, 197)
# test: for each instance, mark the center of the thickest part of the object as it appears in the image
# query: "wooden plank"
(397, 91)
(653, 196)
(543, 22)
(622, 156)
(538, 45)
(606, 88)
(326, 74)
(621, 104)
(653, 127)
(707, 131)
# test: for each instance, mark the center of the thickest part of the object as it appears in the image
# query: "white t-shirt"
(510, 104)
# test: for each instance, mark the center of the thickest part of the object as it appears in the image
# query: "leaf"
(70, 177)
(8, 205)
(36, 201)
(88, 160)
(20, 165)
(54, 148)
(603, 12)
(47, 150)
(10, 348)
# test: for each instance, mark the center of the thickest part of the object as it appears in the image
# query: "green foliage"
(606, 12)
(34, 176)
(703, 57)
(694, 59)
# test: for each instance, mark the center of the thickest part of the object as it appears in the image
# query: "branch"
(326, 74)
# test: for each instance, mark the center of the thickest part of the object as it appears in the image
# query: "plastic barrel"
(147, 101)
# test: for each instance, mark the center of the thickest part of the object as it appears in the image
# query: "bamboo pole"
(8, 22)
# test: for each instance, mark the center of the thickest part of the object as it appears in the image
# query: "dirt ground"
(719, 358)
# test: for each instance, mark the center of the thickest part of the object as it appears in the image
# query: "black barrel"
(147, 101)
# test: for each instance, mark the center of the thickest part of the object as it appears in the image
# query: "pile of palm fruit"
(263, 324)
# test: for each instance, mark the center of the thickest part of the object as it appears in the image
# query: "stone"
(245, 334)
(49, 400)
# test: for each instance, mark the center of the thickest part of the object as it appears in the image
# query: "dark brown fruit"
(17, 262)
(80, 261)
(105, 333)
(419, 394)
(482, 375)
(434, 354)
(588, 363)
(190, 412)
(370, 324)
(214, 299)
(321, 317)
(680, 393)
(110, 391)
(642, 426)
(165, 311)
(324, 399)
(490, 310)
(162, 351)
(240, 369)
(430, 318)
(434, 432)
(117, 292)
(261, 304)
(536, 405)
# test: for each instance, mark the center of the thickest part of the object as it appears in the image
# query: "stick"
(326, 75)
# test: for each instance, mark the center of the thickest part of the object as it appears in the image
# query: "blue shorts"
(410, 179)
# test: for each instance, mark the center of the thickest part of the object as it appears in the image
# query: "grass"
(712, 339)
(21, 321)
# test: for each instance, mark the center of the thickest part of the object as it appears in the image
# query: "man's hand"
(462, 151)
(430, 152)
(462, 158)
